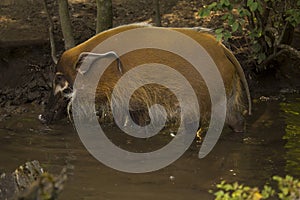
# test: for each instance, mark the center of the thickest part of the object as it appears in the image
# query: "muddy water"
(270, 146)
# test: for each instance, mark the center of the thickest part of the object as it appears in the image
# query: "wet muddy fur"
(235, 107)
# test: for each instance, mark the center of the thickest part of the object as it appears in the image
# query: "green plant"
(237, 191)
(288, 189)
(268, 25)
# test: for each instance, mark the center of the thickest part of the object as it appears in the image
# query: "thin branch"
(51, 35)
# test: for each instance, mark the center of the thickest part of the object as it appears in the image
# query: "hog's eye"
(67, 91)
(59, 78)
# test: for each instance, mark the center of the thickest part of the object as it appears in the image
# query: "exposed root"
(284, 48)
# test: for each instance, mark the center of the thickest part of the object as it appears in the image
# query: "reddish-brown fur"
(144, 97)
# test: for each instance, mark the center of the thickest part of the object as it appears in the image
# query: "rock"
(30, 182)
(7, 186)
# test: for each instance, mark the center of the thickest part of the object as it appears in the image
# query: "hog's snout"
(55, 109)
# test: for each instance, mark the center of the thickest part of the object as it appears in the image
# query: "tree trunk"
(157, 13)
(104, 15)
(66, 23)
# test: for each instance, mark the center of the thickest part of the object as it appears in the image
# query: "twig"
(51, 35)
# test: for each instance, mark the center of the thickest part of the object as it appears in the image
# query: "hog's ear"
(86, 59)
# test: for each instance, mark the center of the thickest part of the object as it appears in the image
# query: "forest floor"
(25, 62)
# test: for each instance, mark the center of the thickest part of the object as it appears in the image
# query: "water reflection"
(291, 113)
(251, 158)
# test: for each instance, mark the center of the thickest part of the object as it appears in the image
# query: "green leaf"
(293, 16)
(204, 12)
(226, 2)
(260, 8)
(225, 16)
(227, 35)
(267, 192)
(235, 26)
(253, 6)
(219, 193)
(212, 5)
(246, 13)
(219, 37)
(285, 191)
(231, 19)
(249, 3)
(219, 30)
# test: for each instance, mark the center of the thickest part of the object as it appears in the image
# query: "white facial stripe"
(58, 88)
